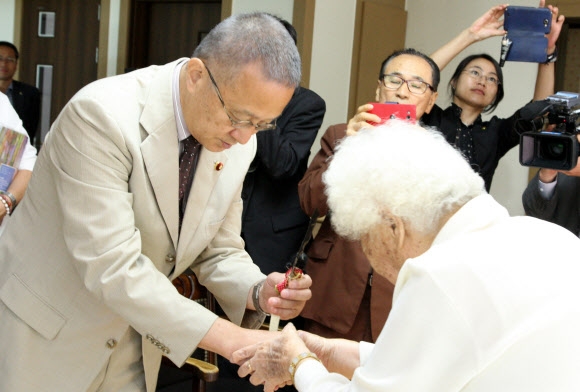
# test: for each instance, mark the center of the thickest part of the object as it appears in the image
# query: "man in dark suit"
(273, 224)
(24, 98)
(555, 197)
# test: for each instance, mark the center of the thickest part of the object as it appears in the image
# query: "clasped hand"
(289, 302)
(267, 362)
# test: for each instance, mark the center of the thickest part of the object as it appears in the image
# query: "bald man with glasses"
(91, 305)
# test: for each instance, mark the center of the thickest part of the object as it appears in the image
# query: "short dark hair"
(11, 46)
(461, 67)
(435, 73)
(291, 30)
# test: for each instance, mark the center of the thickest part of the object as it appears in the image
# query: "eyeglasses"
(8, 59)
(477, 75)
(239, 123)
(415, 86)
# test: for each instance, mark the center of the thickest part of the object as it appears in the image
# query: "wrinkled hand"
(289, 302)
(267, 363)
(319, 346)
(489, 24)
(557, 23)
(362, 119)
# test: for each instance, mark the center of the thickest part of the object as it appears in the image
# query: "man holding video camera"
(551, 142)
(554, 196)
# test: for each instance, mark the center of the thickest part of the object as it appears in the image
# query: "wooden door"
(69, 50)
(380, 27)
(164, 30)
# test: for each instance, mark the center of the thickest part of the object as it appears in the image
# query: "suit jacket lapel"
(160, 148)
(160, 154)
(206, 176)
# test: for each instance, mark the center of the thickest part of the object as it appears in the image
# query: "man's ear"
(193, 72)
(432, 101)
(378, 91)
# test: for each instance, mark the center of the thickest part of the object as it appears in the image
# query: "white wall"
(7, 20)
(113, 43)
(331, 60)
(281, 8)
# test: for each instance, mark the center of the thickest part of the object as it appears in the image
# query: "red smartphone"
(390, 110)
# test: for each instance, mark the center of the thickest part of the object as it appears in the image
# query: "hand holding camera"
(557, 149)
(390, 110)
(375, 113)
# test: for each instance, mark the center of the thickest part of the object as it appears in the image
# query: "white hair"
(400, 168)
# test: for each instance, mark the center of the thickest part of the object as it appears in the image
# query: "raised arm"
(487, 25)
(545, 79)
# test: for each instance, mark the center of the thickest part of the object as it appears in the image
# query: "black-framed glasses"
(235, 122)
(476, 74)
(415, 86)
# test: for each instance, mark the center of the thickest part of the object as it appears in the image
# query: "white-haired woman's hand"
(337, 355)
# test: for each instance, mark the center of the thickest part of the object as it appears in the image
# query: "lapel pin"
(218, 166)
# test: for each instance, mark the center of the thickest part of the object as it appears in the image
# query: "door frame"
(303, 22)
(103, 34)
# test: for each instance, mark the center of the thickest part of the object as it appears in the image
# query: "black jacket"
(273, 224)
(26, 102)
(491, 139)
(562, 209)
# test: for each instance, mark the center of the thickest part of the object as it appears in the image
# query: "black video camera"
(556, 149)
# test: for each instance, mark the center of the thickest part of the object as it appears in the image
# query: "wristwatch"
(256, 298)
(551, 58)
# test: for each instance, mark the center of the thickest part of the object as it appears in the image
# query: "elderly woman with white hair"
(479, 304)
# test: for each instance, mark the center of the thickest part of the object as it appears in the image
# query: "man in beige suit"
(90, 305)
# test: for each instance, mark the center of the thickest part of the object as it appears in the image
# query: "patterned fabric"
(186, 169)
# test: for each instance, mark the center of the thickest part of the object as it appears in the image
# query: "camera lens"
(553, 150)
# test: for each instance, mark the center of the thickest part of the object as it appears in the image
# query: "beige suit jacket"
(103, 207)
